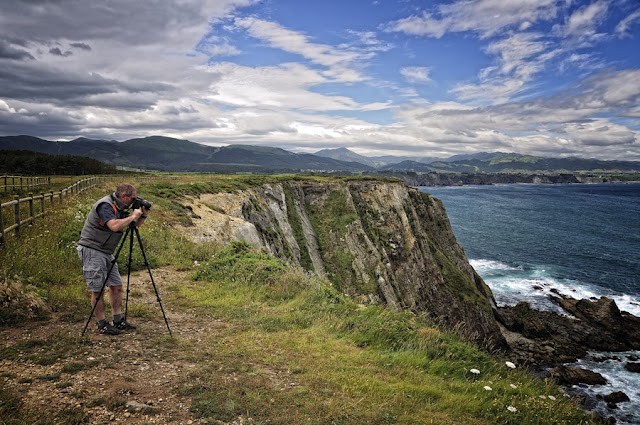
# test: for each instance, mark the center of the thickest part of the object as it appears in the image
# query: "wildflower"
(512, 409)
(475, 371)
(542, 396)
(487, 388)
(510, 365)
(514, 386)
(551, 397)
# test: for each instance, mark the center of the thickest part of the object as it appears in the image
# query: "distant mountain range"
(169, 154)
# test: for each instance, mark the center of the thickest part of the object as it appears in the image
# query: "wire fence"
(24, 211)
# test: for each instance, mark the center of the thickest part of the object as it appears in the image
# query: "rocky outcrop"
(547, 338)
(379, 242)
(575, 375)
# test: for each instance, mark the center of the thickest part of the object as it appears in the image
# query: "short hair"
(124, 189)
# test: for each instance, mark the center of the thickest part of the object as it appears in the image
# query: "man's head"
(126, 193)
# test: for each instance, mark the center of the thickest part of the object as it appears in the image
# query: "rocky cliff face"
(379, 242)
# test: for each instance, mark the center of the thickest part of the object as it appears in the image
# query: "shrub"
(19, 302)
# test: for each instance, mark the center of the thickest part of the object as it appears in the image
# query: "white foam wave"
(511, 284)
(488, 265)
(628, 303)
(618, 379)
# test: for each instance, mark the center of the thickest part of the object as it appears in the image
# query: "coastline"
(527, 222)
(439, 179)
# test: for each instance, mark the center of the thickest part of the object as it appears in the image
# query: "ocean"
(582, 240)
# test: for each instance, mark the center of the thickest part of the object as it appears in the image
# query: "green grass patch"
(305, 351)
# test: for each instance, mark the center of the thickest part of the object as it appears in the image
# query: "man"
(100, 236)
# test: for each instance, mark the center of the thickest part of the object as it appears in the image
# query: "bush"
(20, 302)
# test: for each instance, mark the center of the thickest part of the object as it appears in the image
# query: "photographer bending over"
(100, 236)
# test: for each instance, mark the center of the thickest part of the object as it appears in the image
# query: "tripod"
(130, 231)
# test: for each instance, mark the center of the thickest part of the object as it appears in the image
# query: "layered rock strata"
(379, 242)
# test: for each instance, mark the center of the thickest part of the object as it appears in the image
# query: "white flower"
(511, 365)
(512, 409)
(514, 386)
(475, 371)
(551, 397)
(487, 388)
(542, 396)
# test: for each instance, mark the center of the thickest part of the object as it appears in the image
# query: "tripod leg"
(104, 284)
(126, 304)
(146, 263)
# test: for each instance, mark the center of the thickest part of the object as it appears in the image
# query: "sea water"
(581, 240)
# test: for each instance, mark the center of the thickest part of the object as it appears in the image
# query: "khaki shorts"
(95, 266)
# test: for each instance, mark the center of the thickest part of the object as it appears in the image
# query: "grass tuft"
(20, 302)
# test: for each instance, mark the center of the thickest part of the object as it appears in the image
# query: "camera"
(139, 203)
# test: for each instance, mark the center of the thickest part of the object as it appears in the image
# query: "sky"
(405, 78)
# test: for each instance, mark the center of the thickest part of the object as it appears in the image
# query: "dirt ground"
(131, 378)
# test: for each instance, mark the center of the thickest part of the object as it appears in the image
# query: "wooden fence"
(10, 183)
(34, 206)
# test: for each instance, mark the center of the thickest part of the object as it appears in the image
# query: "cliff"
(378, 242)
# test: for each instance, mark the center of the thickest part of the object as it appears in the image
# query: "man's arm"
(119, 224)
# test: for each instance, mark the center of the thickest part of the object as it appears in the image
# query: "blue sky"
(542, 77)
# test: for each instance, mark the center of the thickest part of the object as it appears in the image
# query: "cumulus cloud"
(284, 86)
(133, 70)
(416, 74)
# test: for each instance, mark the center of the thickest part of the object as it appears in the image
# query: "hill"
(484, 162)
(345, 154)
(169, 154)
(514, 163)
(33, 163)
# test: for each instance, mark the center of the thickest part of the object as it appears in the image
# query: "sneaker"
(124, 326)
(107, 329)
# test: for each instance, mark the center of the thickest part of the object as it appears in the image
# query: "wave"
(487, 265)
(535, 284)
(611, 366)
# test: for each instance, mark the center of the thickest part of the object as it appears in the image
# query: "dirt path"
(132, 378)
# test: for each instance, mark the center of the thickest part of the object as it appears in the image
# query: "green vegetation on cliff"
(293, 349)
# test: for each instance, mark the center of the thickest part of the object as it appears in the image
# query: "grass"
(293, 349)
(304, 351)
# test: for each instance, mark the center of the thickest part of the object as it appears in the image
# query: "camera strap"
(117, 204)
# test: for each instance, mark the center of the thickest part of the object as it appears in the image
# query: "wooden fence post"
(16, 213)
(1, 227)
(31, 214)
(42, 204)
